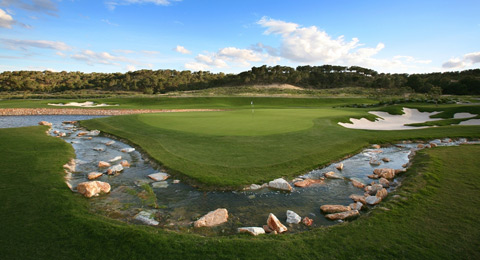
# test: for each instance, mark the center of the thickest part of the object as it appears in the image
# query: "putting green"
(237, 123)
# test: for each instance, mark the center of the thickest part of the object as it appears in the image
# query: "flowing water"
(176, 205)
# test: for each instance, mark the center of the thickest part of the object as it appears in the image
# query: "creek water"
(178, 204)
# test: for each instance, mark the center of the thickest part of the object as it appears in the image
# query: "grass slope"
(235, 148)
(436, 216)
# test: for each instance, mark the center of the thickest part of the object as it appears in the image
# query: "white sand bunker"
(84, 104)
(392, 122)
(463, 115)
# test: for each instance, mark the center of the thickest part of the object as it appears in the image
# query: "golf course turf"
(434, 216)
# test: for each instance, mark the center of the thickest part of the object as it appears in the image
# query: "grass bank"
(436, 216)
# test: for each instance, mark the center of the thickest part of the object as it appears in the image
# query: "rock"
(334, 208)
(93, 133)
(343, 215)
(99, 149)
(357, 184)
(125, 164)
(93, 188)
(307, 221)
(331, 175)
(115, 169)
(398, 171)
(420, 146)
(255, 231)
(373, 176)
(90, 138)
(160, 185)
(69, 122)
(267, 229)
(109, 143)
(292, 217)
(159, 176)
(374, 162)
(372, 189)
(212, 218)
(102, 164)
(146, 218)
(386, 173)
(70, 166)
(127, 150)
(384, 182)
(339, 166)
(356, 206)
(140, 183)
(376, 146)
(254, 187)
(382, 193)
(280, 184)
(45, 123)
(115, 159)
(433, 145)
(94, 175)
(275, 225)
(358, 198)
(176, 181)
(373, 200)
(385, 159)
(307, 182)
(82, 133)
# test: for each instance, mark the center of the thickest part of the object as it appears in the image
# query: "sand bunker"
(84, 104)
(470, 122)
(392, 122)
(463, 115)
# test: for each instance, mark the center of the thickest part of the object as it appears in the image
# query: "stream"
(176, 205)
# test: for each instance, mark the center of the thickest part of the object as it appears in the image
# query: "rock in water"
(385, 159)
(45, 123)
(159, 176)
(343, 215)
(94, 175)
(146, 218)
(70, 166)
(280, 184)
(109, 143)
(160, 185)
(376, 146)
(334, 208)
(275, 225)
(254, 187)
(385, 183)
(93, 188)
(293, 218)
(386, 173)
(99, 149)
(373, 200)
(212, 218)
(307, 221)
(356, 206)
(331, 175)
(372, 189)
(339, 166)
(307, 182)
(358, 184)
(114, 169)
(382, 193)
(102, 164)
(127, 150)
(358, 198)
(125, 163)
(255, 231)
(115, 159)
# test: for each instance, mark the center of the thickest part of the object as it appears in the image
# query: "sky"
(232, 36)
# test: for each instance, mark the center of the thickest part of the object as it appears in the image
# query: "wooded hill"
(310, 77)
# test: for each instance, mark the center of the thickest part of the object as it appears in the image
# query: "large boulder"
(334, 208)
(93, 188)
(212, 218)
(159, 176)
(307, 182)
(293, 218)
(280, 184)
(255, 231)
(275, 225)
(343, 215)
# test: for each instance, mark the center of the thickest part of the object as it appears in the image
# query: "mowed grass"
(435, 217)
(229, 149)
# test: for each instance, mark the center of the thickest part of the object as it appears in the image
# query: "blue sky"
(232, 36)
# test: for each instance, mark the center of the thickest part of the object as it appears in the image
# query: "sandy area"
(470, 122)
(392, 122)
(279, 86)
(84, 104)
(463, 115)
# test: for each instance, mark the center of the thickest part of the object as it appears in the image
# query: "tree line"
(310, 77)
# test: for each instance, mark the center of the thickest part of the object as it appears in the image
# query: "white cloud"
(6, 20)
(130, 68)
(91, 58)
(150, 52)
(468, 59)
(411, 59)
(181, 49)
(197, 66)
(108, 22)
(27, 44)
(42, 6)
(114, 3)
